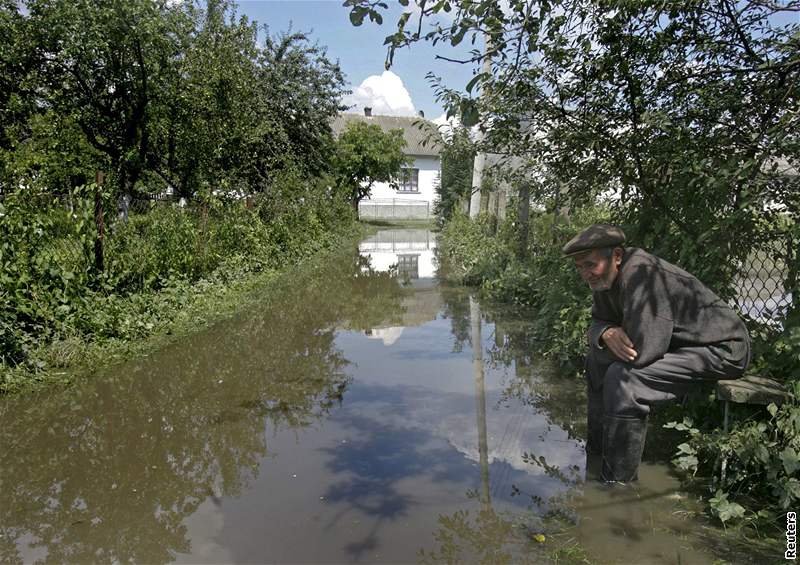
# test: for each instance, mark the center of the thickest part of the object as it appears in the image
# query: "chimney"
(368, 111)
(421, 114)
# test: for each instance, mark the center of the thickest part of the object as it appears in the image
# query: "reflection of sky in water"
(369, 482)
(403, 448)
(434, 388)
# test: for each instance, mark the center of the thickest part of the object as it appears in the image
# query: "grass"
(390, 223)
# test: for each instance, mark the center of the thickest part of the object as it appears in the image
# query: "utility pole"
(480, 157)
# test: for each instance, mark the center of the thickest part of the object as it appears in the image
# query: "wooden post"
(99, 220)
(791, 262)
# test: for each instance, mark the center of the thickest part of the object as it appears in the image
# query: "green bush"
(52, 300)
(44, 266)
(470, 252)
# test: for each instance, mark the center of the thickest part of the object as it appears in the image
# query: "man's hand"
(618, 342)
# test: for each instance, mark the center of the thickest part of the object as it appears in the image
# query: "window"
(408, 181)
(408, 266)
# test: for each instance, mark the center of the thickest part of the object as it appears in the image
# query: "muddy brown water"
(362, 413)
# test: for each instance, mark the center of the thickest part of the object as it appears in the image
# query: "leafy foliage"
(160, 95)
(455, 184)
(757, 462)
(168, 98)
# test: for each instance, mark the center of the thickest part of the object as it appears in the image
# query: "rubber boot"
(594, 433)
(623, 443)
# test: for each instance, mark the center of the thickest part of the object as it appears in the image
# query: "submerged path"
(362, 413)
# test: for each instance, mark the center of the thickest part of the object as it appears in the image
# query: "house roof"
(416, 131)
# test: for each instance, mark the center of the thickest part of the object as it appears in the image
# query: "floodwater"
(364, 413)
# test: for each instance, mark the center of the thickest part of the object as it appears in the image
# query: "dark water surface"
(362, 414)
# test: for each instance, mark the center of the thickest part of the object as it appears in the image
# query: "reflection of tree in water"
(535, 381)
(489, 536)
(374, 298)
(108, 471)
(486, 537)
(455, 306)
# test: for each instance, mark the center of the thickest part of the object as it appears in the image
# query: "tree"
(679, 108)
(455, 186)
(159, 94)
(211, 104)
(365, 154)
(241, 114)
(303, 88)
(104, 64)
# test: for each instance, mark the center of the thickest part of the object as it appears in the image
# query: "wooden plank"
(752, 390)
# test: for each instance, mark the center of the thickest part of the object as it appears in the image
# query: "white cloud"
(384, 93)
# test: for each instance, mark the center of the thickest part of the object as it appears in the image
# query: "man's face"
(597, 270)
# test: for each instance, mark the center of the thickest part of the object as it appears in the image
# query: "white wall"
(429, 171)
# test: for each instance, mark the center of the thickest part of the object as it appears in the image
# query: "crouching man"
(657, 332)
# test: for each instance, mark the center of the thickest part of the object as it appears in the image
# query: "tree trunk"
(475, 204)
(100, 222)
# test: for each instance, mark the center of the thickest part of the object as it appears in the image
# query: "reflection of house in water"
(410, 253)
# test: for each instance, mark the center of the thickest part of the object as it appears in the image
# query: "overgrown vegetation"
(56, 307)
(544, 284)
(455, 182)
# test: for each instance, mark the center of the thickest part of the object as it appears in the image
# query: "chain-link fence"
(767, 286)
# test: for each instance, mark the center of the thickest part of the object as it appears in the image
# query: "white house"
(415, 193)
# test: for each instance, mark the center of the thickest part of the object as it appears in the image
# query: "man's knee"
(597, 362)
(617, 375)
(619, 391)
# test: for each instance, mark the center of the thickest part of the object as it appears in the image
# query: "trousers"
(629, 391)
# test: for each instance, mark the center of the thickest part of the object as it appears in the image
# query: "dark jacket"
(662, 308)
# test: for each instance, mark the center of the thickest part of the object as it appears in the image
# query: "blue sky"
(361, 53)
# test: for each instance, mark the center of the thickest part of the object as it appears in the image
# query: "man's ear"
(617, 255)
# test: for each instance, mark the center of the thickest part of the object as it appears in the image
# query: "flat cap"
(595, 236)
